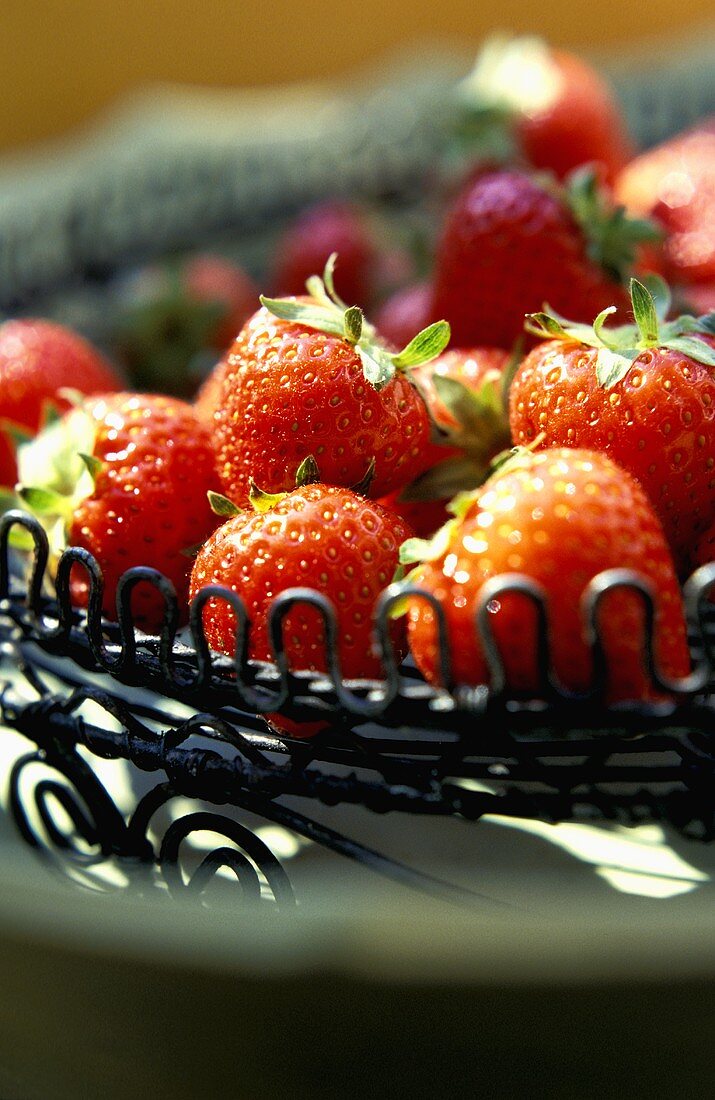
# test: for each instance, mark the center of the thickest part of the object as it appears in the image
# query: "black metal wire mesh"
(396, 744)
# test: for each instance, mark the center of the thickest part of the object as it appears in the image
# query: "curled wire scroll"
(193, 671)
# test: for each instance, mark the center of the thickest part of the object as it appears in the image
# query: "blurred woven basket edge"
(172, 168)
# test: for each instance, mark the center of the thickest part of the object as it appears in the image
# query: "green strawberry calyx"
(260, 500)
(327, 312)
(57, 471)
(619, 346)
(511, 77)
(612, 236)
(164, 334)
(415, 550)
(308, 473)
(480, 430)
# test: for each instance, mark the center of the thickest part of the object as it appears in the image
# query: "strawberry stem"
(619, 347)
(328, 313)
(221, 505)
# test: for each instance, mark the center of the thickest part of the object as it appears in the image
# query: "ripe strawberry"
(512, 242)
(559, 517)
(644, 393)
(699, 298)
(328, 227)
(675, 185)
(466, 391)
(326, 538)
(38, 359)
(207, 399)
(704, 551)
(549, 105)
(309, 377)
(212, 279)
(404, 313)
(424, 517)
(478, 371)
(176, 314)
(152, 465)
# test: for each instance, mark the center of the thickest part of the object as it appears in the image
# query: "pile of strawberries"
(567, 430)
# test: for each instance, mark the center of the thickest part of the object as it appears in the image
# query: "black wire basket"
(396, 744)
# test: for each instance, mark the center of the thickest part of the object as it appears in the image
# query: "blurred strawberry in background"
(527, 100)
(39, 360)
(320, 230)
(514, 237)
(404, 313)
(675, 185)
(177, 317)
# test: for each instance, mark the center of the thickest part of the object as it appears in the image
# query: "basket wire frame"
(396, 744)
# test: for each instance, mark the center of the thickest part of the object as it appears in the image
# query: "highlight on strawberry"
(526, 99)
(124, 477)
(311, 376)
(674, 184)
(512, 240)
(558, 517)
(328, 538)
(644, 393)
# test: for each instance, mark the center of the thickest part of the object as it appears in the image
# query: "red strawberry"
(559, 517)
(512, 242)
(549, 105)
(176, 314)
(37, 360)
(404, 313)
(212, 279)
(466, 392)
(152, 465)
(309, 377)
(675, 185)
(328, 539)
(423, 516)
(328, 227)
(704, 552)
(699, 298)
(207, 399)
(644, 393)
(472, 368)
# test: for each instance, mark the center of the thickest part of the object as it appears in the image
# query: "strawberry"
(482, 373)
(309, 377)
(699, 298)
(38, 359)
(212, 279)
(176, 314)
(512, 242)
(151, 465)
(550, 106)
(424, 517)
(466, 391)
(329, 539)
(559, 517)
(320, 230)
(404, 313)
(644, 393)
(675, 185)
(704, 551)
(207, 399)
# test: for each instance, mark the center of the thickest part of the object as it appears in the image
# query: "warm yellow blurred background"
(61, 61)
